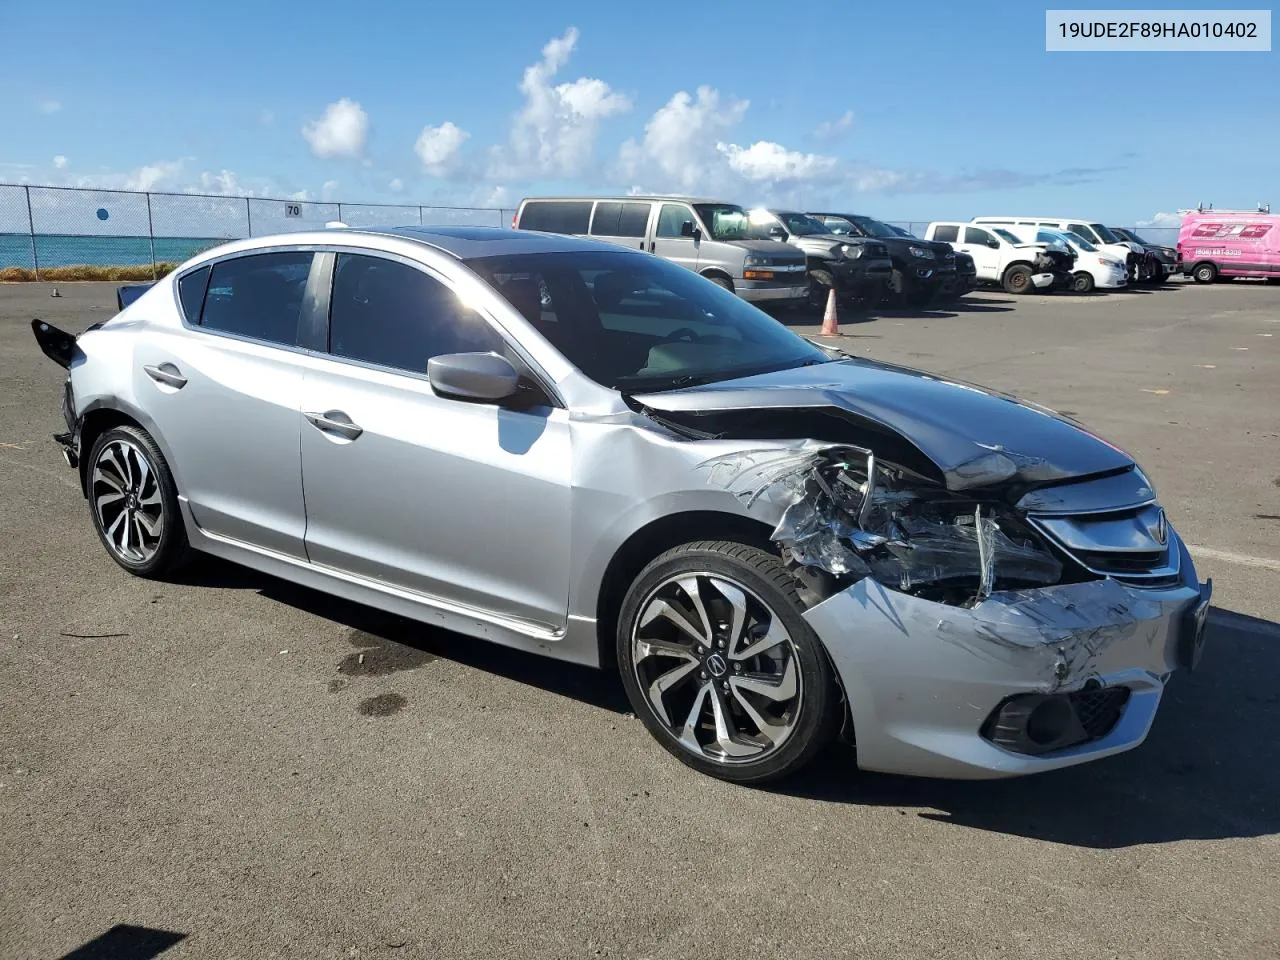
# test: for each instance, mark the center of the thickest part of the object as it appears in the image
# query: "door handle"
(167, 374)
(335, 421)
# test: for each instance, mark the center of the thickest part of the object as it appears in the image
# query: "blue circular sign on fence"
(102, 213)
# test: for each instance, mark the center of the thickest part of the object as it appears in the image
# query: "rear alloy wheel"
(1082, 282)
(134, 503)
(1205, 273)
(721, 667)
(1017, 279)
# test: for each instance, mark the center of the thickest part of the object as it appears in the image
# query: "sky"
(904, 111)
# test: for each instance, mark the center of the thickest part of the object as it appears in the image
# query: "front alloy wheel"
(721, 667)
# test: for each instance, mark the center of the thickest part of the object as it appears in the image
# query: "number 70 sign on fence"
(293, 209)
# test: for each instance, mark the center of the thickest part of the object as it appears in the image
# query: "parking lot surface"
(257, 770)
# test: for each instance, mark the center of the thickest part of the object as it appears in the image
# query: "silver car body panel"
(502, 524)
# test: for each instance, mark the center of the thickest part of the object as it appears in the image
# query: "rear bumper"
(930, 686)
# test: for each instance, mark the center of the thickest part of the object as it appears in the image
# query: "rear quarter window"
(556, 216)
(191, 288)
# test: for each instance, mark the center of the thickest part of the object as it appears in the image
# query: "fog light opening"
(1048, 722)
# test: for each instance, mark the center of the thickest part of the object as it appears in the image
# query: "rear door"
(625, 223)
(458, 502)
(669, 241)
(224, 395)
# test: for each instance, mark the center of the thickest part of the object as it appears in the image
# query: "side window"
(671, 217)
(191, 288)
(389, 313)
(980, 237)
(556, 216)
(604, 223)
(947, 233)
(1082, 230)
(633, 220)
(257, 296)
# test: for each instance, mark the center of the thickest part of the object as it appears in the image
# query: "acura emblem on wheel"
(716, 665)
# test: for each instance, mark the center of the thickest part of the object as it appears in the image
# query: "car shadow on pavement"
(1210, 768)
(126, 942)
(565, 679)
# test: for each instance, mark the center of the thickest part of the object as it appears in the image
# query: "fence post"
(248, 215)
(31, 226)
(151, 232)
(339, 212)
(420, 220)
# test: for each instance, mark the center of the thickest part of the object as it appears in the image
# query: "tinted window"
(1084, 231)
(556, 216)
(392, 314)
(974, 235)
(258, 296)
(947, 234)
(620, 219)
(635, 322)
(191, 289)
(672, 216)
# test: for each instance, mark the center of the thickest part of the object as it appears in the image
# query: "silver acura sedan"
(587, 452)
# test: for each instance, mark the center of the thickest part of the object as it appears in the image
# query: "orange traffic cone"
(830, 323)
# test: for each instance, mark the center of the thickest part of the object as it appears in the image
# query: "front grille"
(875, 250)
(1099, 709)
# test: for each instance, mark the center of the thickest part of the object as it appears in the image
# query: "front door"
(983, 246)
(668, 239)
(462, 502)
(223, 394)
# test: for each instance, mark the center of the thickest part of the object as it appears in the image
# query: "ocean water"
(66, 251)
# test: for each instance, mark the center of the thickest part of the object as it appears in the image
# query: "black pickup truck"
(922, 269)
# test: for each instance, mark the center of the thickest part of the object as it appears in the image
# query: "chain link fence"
(42, 228)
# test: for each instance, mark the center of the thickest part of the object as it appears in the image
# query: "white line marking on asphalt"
(1266, 563)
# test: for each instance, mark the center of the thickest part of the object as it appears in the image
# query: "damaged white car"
(596, 455)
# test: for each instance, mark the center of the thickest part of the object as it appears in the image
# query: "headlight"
(850, 252)
(1112, 263)
(755, 262)
(922, 253)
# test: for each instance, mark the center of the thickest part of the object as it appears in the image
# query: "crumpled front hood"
(770, 248)
(975, 436)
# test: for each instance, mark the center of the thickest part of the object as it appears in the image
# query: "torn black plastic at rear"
(58, 345)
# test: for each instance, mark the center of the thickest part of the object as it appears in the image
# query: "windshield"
(903, 233)
(796, 224)
(1081, 242)
(1105, 235)
(637, 323)
(1006, 234)
(874, 228)
(726, 221)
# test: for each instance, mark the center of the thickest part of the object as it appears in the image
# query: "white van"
(1129, 253)
(711, 238)
(1094, 268)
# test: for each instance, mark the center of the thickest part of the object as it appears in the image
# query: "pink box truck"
(1230, 243)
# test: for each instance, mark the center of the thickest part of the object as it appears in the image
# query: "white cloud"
(396, 185)
(329, 190)
(60, 162)
(437, 148)
(1162, 220)
(554, 133)
(300, 195)
(765, 160)
(679, 150)
(498, 196)
(154, 175)
(341, 133)
(225, 183)
(49, 107)
(829, 129)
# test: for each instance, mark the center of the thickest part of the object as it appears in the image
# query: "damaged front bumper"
(1022, 682)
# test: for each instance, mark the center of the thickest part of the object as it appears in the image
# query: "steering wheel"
(683, 333)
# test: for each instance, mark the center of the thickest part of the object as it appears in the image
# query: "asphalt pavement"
(234, 767)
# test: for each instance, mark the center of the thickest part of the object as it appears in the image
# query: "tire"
(1082, 282)
(1205, 273)
(1017, 279)
(724, 282)
(820, 281)
(787, 731)
(133, 503)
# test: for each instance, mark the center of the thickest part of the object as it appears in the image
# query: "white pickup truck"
(1000, 256)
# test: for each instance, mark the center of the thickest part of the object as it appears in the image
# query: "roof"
(467, 243)
(651, 197)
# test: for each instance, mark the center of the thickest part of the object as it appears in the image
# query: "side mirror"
(993, 243)
(484, 377)
(687, 229)
(778, 233)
